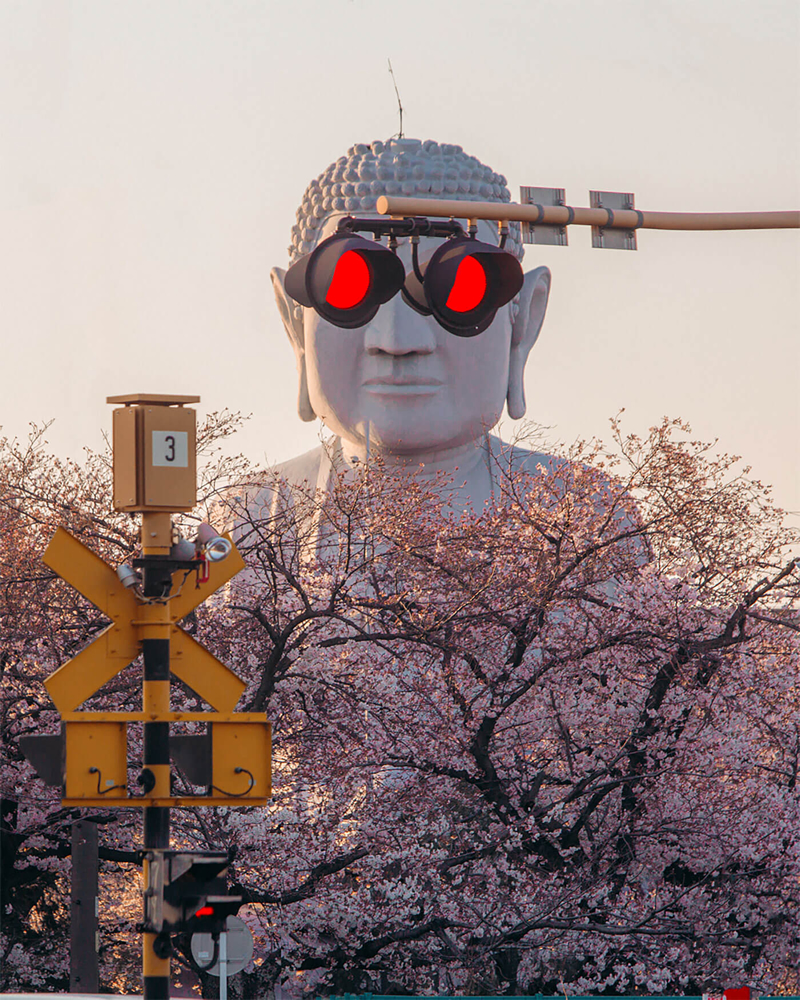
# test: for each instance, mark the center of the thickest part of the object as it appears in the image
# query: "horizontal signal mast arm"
(563, 215)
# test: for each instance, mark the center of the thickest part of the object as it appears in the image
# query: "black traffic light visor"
(346, 279)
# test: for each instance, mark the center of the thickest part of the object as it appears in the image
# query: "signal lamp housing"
(187, 892)
(346, 279)
(463, 285)
(215, 547)
(128, 577)
(183, 549)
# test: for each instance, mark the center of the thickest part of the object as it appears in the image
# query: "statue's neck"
(466, 468)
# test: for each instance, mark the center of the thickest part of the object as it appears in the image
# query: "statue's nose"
(397, 329)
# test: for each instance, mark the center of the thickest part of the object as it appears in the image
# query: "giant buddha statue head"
(402, 384)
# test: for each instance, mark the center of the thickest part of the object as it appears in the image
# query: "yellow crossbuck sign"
(233, 758)
(120, 643)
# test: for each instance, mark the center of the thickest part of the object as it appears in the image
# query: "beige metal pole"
(563, 215)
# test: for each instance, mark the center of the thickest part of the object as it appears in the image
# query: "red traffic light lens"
(205, 911)
(350, 283)
(469, 286)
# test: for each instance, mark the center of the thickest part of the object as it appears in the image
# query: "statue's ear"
(524, 333)
(293, 324)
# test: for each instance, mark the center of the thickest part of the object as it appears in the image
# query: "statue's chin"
(415, 423)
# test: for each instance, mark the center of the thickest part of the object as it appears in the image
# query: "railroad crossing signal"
(154, 473)
(231, 759)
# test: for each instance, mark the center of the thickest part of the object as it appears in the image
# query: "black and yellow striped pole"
(155, 777)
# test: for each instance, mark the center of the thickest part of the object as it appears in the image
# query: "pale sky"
(153, 154)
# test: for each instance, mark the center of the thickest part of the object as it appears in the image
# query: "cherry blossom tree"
(549, 748)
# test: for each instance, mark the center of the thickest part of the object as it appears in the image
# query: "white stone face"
(403, 381)
(401, 386)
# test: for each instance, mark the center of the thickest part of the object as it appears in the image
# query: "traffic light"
(463, 285)
(345, 279)
(187, 892)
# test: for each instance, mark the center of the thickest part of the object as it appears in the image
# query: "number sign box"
(155, 457)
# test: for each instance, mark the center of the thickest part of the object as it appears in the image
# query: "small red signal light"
(350, 282)
(205, 911)
(469, 286)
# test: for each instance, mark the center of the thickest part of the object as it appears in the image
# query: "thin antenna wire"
(399, 105)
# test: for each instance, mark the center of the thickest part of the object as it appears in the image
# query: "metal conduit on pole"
(564, 215)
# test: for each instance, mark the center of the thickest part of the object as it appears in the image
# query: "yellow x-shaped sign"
(119, 644)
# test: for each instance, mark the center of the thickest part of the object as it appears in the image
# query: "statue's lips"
(403, 386)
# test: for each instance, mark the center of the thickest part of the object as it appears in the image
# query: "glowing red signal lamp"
(469, 286)
(212, 912)
(464, 284)
(350, 282)
(345, 279)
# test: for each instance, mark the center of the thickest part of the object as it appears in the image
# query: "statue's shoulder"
(302, 469)
(515, 459)
(606, 494)
(566, 474)
(267, 493)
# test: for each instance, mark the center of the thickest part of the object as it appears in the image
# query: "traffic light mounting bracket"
(412, 227)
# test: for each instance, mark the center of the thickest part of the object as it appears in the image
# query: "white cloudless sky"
(154, 152)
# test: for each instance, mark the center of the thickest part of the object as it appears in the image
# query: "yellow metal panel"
(97, 755)
(94, 666)
(244, 717)
(174, 802)
(236, 746)
(89, 575)
(219, 573)
(203, 672)
(152, 965)
(170, 465)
